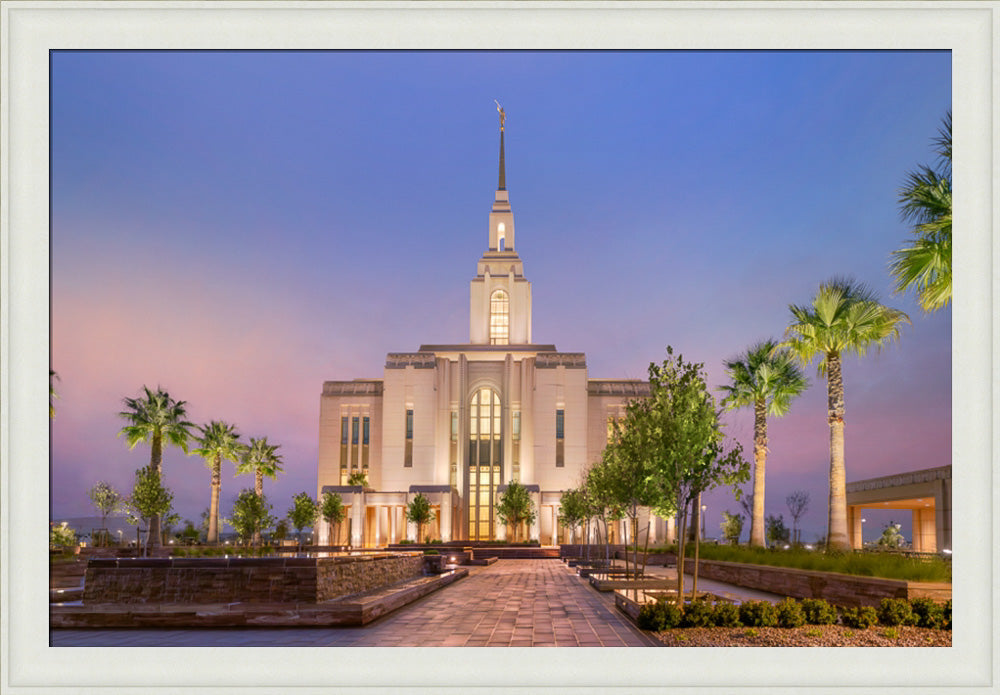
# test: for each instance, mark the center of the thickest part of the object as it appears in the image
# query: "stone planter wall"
(839, 589)
(339, 576)
(251, 580)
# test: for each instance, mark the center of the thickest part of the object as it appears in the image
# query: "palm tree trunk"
(759, 461)
(156, 463)
(836, 537)
(213, 507)
(258, 487)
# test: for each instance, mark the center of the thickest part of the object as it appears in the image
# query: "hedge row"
(921, 612)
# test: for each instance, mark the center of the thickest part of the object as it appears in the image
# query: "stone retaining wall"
(840, 589)
(252, 580)
(339, 576)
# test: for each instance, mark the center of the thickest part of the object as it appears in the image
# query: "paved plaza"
(512, 603)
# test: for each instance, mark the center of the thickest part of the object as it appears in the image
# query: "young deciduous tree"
(777, 532)
(107, 500)
(303, 513)
(686, 444)
(573, 510)
(150, 499)
(419, 512)
(631, 476)
(798, 503)
(732, 527)
(251, 515)
(333, 511)
(514, 507)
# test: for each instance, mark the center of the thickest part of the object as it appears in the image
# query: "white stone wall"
(410, 387)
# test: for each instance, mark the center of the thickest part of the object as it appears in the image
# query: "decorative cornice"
(479, 347)
(417, 360)
(358, 387)
(926, 475)
(551, 360)
(618, 387)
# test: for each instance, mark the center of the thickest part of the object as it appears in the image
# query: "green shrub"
(890, 633)
(859, 618)
(895, 611)
(758, 614)
(431, 551)
(928, 613)
(818, 612)
(726, 614)
(659, 616)
(697, 614)
(947, 614)
(790, 613)
(406, 541)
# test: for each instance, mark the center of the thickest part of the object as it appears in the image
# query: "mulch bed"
(805, 636)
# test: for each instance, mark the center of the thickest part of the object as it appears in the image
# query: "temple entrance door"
(485, 456)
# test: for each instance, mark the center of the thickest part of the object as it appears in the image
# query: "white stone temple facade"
(457, 422)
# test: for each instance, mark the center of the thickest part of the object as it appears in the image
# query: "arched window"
(499, 318)
(501, 235)
(485, 455)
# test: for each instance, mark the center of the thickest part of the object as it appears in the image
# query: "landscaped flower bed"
(811, 622)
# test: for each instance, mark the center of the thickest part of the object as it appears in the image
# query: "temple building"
(458, 422)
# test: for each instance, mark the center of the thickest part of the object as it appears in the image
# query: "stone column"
(445, 522)
(536, 499)
(854, 516)
(555, 525)
(378, 525)
(358, 517)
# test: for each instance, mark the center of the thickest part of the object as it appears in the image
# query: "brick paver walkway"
(512, 603)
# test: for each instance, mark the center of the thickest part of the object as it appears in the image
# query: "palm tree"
(765, 378)
(219, 440)
(844, 317)
(925, 200)
(155, 417)
(260, 458)
(52, 392)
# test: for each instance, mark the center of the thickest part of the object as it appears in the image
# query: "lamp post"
(703, 508)
(863, 520)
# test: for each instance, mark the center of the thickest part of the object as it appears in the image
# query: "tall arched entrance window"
(499, 318)
(485, 456)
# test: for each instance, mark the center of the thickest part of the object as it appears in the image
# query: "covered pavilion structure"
(925, 493)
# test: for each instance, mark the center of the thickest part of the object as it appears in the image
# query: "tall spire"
(502, 185)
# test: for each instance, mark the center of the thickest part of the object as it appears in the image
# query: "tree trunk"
(213, 506)
(680, 554)
(645, 550)
(759, 460)
(625, 548)
(695, 520)
(836, 536)
(697, 546)
(156, 463)
(258, 487)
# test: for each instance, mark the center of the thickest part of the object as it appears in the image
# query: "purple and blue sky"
(238, 227)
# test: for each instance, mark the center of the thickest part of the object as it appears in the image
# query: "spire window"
(499, 318)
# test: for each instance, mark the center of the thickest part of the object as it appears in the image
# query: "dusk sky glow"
(238, 227)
